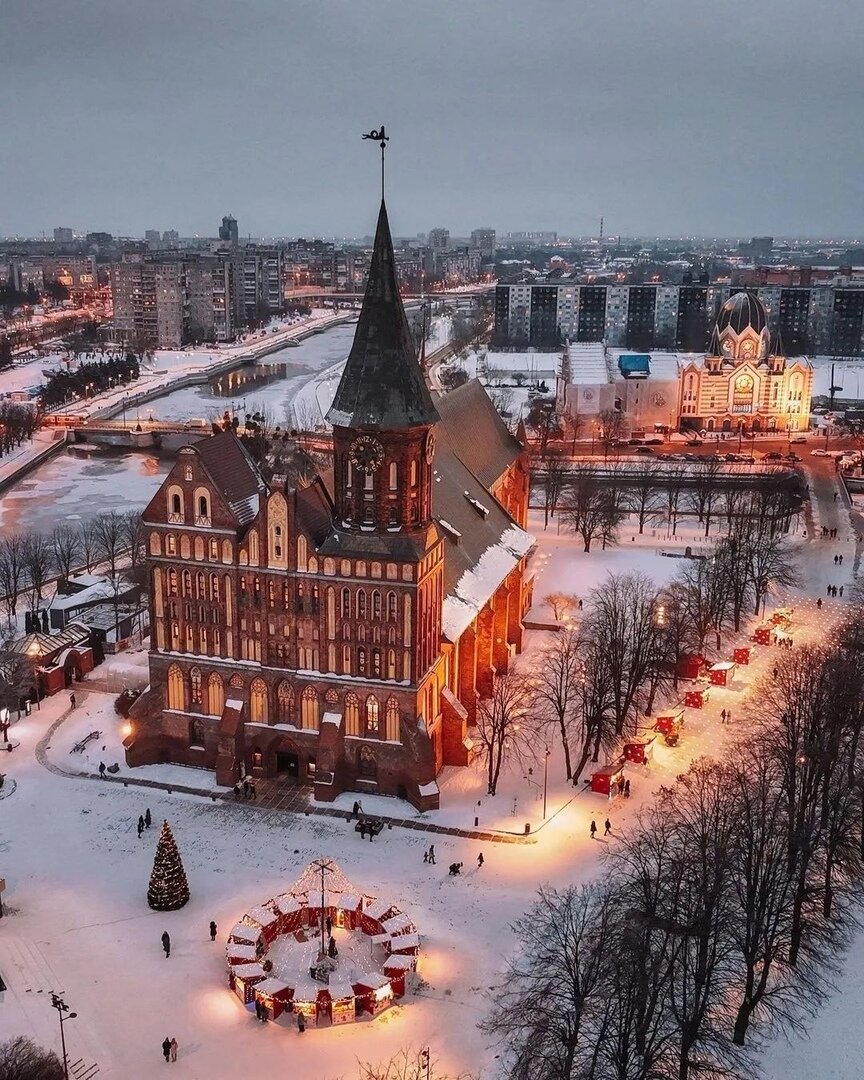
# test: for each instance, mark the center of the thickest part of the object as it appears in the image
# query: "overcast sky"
(666, 116)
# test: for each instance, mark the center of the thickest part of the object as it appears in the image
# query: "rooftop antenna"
(382, 139)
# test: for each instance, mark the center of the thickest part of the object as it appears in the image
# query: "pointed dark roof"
(382, 385)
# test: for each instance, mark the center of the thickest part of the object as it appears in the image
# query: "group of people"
(832, 591)
(725, 716)
(169, 1049)
(246, 788)
(829, 533)
(607, 828)
(144, 821)
(838, 560)
(456, 867)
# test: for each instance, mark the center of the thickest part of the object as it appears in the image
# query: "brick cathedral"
(339, 628)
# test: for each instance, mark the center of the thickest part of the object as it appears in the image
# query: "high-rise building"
(170, 236)
(340, 637)
(439, 239)
(153, 237)
(63, 236)
(228, 231)
(484, 241)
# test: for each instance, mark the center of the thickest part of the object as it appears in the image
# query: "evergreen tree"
(169, 889)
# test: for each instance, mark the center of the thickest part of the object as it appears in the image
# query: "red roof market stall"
(782, 617)
(243, 979)
(640, 749)
(689, 665)
(267, 921)
(670, 719)
(741, 655)
(762, 634)
(275, 995)
(696, 698)
(607, 779)
(396, 968)
(722, 673)
(373, 992)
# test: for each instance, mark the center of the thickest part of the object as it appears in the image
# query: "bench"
(373, 826)
(78, 748)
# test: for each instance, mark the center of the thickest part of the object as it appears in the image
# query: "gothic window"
(196, 733)
(200, 586)
(361, 603)
(226, 551)
(310, 708)
(352, 714)
(215, 695)
(170, 544)
(346, 659)
(376, 604)
(376, 569)
(367, 765)
(361, 660)
(345, 568)
(391, 716)
(285, 703)
(394, 476)
(391, 663)
(199, 549)
(190, 643)
(376, 663)
(346, 603)
(253, 548)
(214, 588)
(302, 553)
(313, 565)
(185, 548)
(413, 474)
(271, 593)
(175, 636)
(391, 606)
(175, 505)
(172, 582)
(187, 583)
(202, 506)
(195, 685)
(236, 682)
(214, 549)
(155, 544)
(176, 689)
(187, 472)
(330, 567)
(258, 703)
(372, 715)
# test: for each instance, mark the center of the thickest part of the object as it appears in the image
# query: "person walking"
(173, 1049)
(480, 860)
(432, 854)
(166, 943)
(835, 560)
(166, 1048)
(829, 591)
(212, 930)
(328, 922)
(841, 590)
(607, 827)
(301, 1022)
(627, 787)
(102, 770)
(72, 700)
(355, 810)
(425, 855)
(246, 787)
(140, 826)
(237, 790)
(728, 716)
(723, 716)
(593, 828)
(819, 603)
(147, 818)
(840, 559)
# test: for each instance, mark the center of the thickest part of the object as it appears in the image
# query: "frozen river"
(74, 485)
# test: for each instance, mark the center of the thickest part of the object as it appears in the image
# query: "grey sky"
(667, 116)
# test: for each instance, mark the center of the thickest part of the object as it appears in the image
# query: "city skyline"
(667, 120)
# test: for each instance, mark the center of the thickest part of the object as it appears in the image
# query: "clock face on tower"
(366, 453)
(430, 446)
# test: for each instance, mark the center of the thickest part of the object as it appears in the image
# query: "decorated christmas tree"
(169, 889)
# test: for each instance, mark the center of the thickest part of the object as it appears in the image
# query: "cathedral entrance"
(288, 764)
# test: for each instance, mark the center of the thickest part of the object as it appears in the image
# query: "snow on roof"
(478, 506)
(723, 665)
(99, 590)
(429, 789)
(332, 718)
(233, 703)
(478, 583)
(374, 980)
(377, 909)
(262, 915)
(401, 942)
(398, 924)
(271, 987)
(239, 953)
(588, 362)
(248, 972)
(286, 904)
(244, 934)
(399, 963)
(348, 902)
(451, 530)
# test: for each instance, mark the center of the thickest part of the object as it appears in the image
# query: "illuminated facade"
(745, 381)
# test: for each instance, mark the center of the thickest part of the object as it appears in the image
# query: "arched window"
(175, 504)
(155, 544)
(302, 553)
(185, 548)
(367, 765)
(346, 603)
(330, 567)
(285, 703)
(195, 685)
(352, 714)
(176, 689)
(187, 472)
(392, 718)
(372, 715)
(215, 695)
(200, 586)
(413, 473)
(391, 606)
(253, 548)
(309, 709)
(346, 659)
(170, 544)
(199, 548)
(312, 565)
(391, 663)
(202, 506)
(394, 476)
(376, 604)
(258, 703)
(361, 603)
(187, 583)
(376, 662)
(214, 588)
(226, 551)
(172, 582)
(361, 661)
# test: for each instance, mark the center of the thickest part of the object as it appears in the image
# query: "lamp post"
(325, 866)
(545, 780)
(63, 1015)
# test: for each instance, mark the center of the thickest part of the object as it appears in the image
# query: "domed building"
(745, 382)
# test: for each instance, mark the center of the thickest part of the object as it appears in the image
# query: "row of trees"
(30, 562)
(718, 917)
(89, 378)
(18, 423)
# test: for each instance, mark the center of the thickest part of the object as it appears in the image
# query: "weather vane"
(382, 139)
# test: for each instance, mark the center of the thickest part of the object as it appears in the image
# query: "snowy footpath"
(76, 873)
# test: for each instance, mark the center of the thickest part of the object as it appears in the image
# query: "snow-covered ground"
(77, 875)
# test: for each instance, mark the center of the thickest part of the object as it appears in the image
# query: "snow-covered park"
(76, 871)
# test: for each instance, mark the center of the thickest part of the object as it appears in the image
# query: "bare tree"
(674, 478)
(17, 677)
(556, 471)
(110, 532)
(707, 598)
(66, 548)
(38, 566)
(555, 684)
(551, 983)
(590, 508)
(502, 724)
(612, 429)
(645, 493)
(594, 723)
(560, 604)
(133, 538)
(22, 1059)
(12, 574)
(705, 479)
(90, 544)
(407, 1064)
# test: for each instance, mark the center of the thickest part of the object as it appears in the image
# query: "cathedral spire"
(382, 386)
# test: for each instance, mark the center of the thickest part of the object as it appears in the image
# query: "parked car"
(792, 457)
(773, 456)
(644, 450)
(798, 439)
(655, 440)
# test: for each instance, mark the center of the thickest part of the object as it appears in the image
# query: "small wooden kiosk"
(640, 749)
(762, 634)
(697, 698)
(608, 779)
(741, 655)
(670, 719)
(722, 673)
